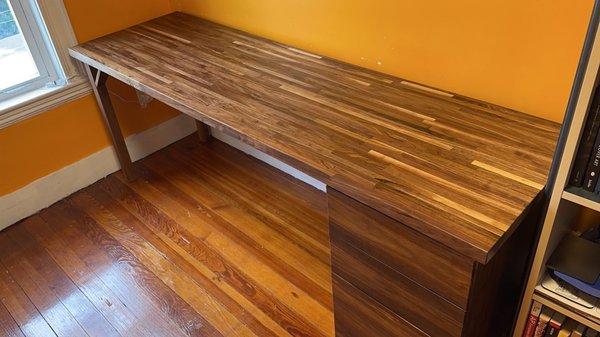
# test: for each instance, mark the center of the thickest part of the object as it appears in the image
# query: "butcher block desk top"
(458, 170)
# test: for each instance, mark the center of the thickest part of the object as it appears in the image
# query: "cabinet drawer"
(414, 303)
(416, 256)
(358, 315)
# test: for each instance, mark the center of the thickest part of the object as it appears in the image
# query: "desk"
(431, 194)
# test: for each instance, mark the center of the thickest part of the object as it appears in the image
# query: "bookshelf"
(566, 204)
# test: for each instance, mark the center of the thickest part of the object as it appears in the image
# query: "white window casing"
(61, 79)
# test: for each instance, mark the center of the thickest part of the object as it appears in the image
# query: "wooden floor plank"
(235, 209)
(37, 289)
(8, 326)
(300, 224)
(20, 307)
(116, 221)
(187, 249)
(86, 277)
(183, 249)
(266, 235)
(206, 224)
(270, 302)
(232, 248)
(66, 292)
(163, 311)
(298, 197)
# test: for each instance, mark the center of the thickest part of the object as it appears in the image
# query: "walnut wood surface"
(416, 256)
(413, 302)
(361, 316)
(206, 242)
(458, 170)
(419, 280)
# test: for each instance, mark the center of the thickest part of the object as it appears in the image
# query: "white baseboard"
(47, 190)
(278, 164)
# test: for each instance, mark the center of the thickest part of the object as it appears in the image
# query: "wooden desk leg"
(203, 131)
(98, 81)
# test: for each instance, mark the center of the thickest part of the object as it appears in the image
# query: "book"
(534, 315)
(542, 324)
(567, 328)
(555, 324)
(579, 330)
(593, 168)
(591, 333)
(586, 143)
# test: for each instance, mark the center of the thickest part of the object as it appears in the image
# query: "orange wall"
(520, 54)
(40, 145)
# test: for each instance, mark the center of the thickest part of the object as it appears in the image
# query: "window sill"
(38, 101)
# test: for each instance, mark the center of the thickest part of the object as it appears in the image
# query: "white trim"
(38, 101)
(47, 190)
(32, 103)
(30, 32)
(61, 33)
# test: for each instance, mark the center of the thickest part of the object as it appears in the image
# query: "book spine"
(587, 142)
(540, 329)
(591, 333)
(534, 315)
(578, 332)
(552, 331)
(591, 176)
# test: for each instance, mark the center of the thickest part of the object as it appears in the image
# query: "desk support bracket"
(98, 81)
(203, 132)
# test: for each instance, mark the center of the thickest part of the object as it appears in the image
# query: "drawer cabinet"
(404, 297)
(364, 316)
(418, 257)
(383, 268)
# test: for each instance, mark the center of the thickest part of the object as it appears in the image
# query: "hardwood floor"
(208, 242)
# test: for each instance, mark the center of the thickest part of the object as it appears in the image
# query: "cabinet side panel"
(498, 286)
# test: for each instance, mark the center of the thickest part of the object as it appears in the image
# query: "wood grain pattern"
(149, 258)
(419, 280)
(455, 169)
(98, 80)
(416, 256)
(497, 286)
(363, 316)
(418, 305)
(8, 326)
(20, 307)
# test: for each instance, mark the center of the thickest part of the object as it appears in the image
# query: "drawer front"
(358, 315)
(402, 296)
(416, 256)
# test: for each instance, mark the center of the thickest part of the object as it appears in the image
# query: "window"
(36, 72)
(27, 58)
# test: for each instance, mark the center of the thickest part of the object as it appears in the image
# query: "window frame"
(31, 27)
(72, 82)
